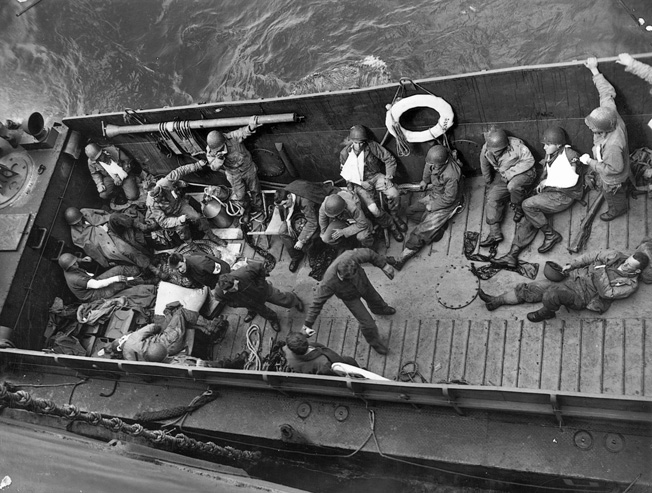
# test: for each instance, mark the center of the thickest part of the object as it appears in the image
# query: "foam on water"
(78, 56)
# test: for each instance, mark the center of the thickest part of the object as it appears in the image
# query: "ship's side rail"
(459, 398)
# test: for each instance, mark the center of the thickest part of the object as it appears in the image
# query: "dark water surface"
(66, 57)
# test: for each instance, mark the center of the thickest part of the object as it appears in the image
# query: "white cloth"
(114, 170)
(561, 173)
(353, 169)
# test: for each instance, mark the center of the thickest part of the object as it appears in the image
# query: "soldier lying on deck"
(593, 282)
(311, 357)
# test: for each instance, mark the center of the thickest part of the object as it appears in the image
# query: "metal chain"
(23, 400)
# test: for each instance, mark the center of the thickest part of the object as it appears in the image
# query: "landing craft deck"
(576, 352)
(565, 403)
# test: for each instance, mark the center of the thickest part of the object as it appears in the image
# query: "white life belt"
(350, 371)
(438, 104)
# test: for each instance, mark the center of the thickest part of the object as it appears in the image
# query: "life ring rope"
(397, 109)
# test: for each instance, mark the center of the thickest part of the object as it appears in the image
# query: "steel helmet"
(215, 139)
(155, 352)
(554, 135)
(601, 120)
(72, 215)
(496, 140)
(437, 155)
(67, 260)
(357, 132)
(93, 151)
(334, 205)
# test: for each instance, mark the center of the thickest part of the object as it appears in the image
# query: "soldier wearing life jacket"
(112, 170)
(561, 185)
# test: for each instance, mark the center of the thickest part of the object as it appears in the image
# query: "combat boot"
(406, 255)
(495, 236)
(379, 347)
(396, 234)
(518, 212)
(492, 302)
(400, 224)
(552, 237)
(541, 314)
(510, 260)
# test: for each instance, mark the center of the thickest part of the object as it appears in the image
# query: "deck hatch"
(13, 227)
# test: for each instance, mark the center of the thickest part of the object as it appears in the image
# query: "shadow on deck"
(577, 351)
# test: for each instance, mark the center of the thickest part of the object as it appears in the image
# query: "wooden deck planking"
(475, 207)
(529, 369)
(512, 353)
(395, 346)
(634, 357)
(351, 342)
(570, 367)
(553, 335)
(441, 371)
(618, 233)
(337, 336)
(647, 362)
(477, 352)
(591, 351)
(235, 326)
(495, 353)
(637, 228)
(614, 345)
(411, 342)
(427, 330)
(323, 328)
(459, 350)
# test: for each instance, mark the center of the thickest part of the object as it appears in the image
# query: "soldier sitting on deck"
(168, 206)
(437, 206)
(561, 185)
(112, 170)
(341, 217)
(105, 238)
(360, 165)
(593, 282)
(508, 170)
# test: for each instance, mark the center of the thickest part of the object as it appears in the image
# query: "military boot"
(406, 255)
(493, 302)
(541, 314)
(518, 212)
(551, 238)
(495, 236)
(400, 224)
(510, 260)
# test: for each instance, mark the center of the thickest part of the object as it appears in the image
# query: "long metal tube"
(238, 121)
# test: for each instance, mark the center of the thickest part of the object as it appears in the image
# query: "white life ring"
(438, 104)
(350, 371)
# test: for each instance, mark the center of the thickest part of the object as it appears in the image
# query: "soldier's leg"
(286, 299)
(366, 323)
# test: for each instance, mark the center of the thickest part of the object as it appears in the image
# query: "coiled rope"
(23, 400)
(253, 348)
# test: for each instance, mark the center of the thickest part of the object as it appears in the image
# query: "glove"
(101, 188)
(585, 159)
(423, 185)
(389, 271)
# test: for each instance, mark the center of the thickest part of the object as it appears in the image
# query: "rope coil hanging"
(23, 400)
